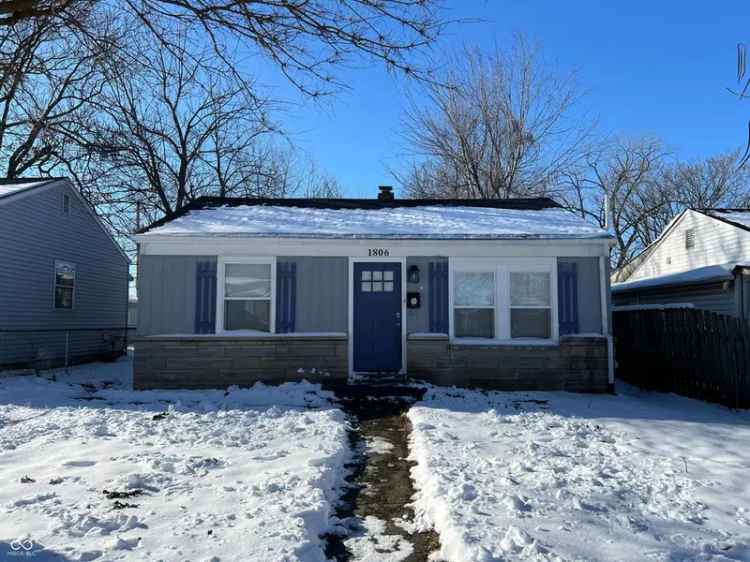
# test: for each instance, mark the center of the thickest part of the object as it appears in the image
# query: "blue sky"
(646, 68)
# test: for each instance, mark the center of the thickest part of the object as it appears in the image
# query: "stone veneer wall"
(578, 363)
(219, 361)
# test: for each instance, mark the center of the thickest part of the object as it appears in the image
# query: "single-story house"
(701, 260)
(510, 294)
(64, 278)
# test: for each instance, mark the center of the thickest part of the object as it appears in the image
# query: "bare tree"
(500, 127)
(635, 188)
(306, 39)
(285, 172)
(191, 134)
(48, 78)
(618, 187)
(13, 12)
(716, 181)
(80, 99)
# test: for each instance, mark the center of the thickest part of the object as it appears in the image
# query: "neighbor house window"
(247, 296)
(66, 204)
(65, 281)
(503, 299)
(689, 239)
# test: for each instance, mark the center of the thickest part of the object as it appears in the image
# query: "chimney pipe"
(385, 193)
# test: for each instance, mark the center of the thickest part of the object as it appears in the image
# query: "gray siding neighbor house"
(64, 279)
(701, 260)
(495, 294)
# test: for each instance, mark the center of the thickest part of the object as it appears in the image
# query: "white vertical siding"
(716, 242)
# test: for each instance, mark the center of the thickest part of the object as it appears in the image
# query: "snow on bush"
(558, 476)
(113, 474)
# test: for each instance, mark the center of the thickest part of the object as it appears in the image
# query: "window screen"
(65, 280)
(530, 305)
(247, 297)
(474, 304)
(690, 238)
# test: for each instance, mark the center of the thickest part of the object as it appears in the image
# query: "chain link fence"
(60, 347)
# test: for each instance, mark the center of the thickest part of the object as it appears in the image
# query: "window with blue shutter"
(567, 297)
(286, 296)
(205, 297)
(438, 297)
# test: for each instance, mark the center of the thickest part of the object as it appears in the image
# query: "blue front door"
(377, 316)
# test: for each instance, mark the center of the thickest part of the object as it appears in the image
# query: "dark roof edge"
(706, 211)
(669, 285)
(730, 273)
(530, 204)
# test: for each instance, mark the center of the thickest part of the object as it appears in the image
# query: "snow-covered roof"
(738, 217)
(11, 187)
(707, 274)
(430, 221)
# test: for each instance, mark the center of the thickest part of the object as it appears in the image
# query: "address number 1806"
(378, 252)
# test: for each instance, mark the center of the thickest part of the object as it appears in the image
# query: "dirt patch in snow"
(376, 512)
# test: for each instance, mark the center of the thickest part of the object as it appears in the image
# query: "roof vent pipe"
(609, 210)
(385, 193)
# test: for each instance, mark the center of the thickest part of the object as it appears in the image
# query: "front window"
(503, 299)
(530, 305)
(247, 297)
(65, 280)
(474, 304)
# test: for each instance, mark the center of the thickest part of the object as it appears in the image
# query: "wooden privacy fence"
(691, 352)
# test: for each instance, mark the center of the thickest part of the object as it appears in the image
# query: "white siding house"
(700, 260)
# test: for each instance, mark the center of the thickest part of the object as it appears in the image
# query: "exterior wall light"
(413, 274)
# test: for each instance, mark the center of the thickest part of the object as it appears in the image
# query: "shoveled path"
(375, 510)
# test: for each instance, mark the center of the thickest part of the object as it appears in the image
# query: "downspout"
(739, 278)
(604, 290)
(606, 293)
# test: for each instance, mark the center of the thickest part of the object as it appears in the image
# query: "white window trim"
(502, 267)
(220, 278)
(54, 285)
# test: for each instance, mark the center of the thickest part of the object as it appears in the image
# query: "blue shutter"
(286, 296)
(567, 297)
(205, 297)
(438, 297)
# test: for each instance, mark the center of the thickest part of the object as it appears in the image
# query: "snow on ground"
(632, 477)
(245, 475)
(372, 543)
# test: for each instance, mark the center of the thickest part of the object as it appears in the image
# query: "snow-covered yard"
(90, 470)
(556, 476)
(189, 475)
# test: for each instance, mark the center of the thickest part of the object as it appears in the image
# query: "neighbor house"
(701, 260)
(63, 280)
(505, 294)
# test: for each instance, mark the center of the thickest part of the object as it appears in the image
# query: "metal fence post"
(67, 350)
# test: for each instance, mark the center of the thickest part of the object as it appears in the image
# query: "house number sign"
(379, 252)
